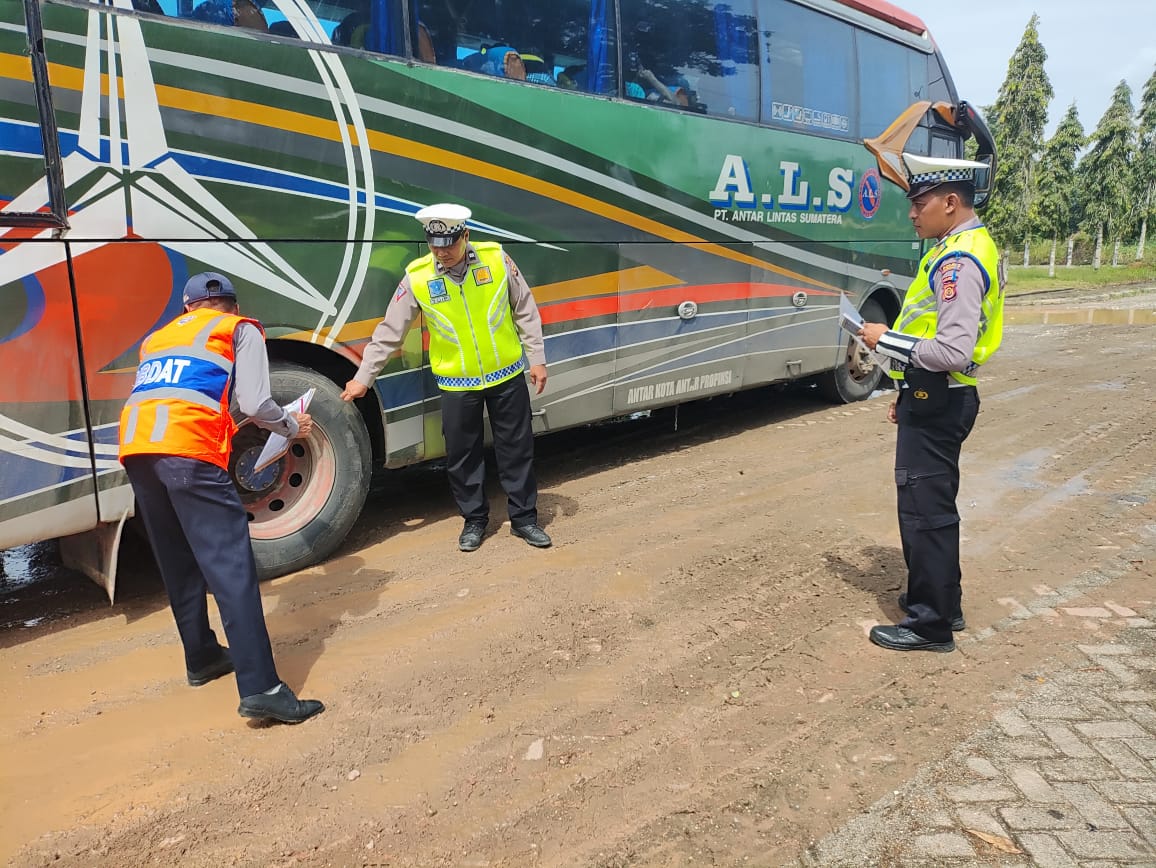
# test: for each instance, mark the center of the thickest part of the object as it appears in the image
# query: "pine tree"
(1018, 119)
(1104, 173)
(1144, 168)
(1056, 175)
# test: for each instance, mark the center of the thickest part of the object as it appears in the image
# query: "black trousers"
(927, 482)
(508, 404)
(200, 535)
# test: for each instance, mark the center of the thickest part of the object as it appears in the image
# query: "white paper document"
(277, 445)
(849, 318)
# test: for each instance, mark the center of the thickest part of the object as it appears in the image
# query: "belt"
(954, 384)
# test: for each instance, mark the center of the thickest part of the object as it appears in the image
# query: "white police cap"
(444, 222)
(926, 173)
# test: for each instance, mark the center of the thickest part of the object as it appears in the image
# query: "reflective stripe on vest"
(473, 342)
(179, 404)
(919, 316)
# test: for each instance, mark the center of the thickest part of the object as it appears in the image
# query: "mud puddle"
(1080, 316)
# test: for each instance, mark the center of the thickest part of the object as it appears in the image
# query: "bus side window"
(937, 82)
(703, 58)
(540, 43)
(885, 86)
(151, 6)
(942, 146)
(808, 73)
(231, 13)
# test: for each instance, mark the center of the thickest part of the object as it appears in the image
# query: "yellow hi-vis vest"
(918, 316)
(473, 342)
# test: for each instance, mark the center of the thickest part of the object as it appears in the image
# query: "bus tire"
(302, 506)
(857, 375)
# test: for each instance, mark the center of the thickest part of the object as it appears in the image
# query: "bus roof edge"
(890, 13)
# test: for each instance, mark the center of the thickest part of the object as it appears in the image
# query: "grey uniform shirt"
(403, 307)
(251, 383)
(959, 287)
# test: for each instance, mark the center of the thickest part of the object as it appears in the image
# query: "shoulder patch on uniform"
(482, 275)
(400, 294)
(947, 275)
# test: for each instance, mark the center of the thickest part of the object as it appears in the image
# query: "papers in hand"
(849, 318)
(277, 444)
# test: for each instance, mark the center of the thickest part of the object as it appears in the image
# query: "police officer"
(482, 319)
(950, 324)
(176, 435)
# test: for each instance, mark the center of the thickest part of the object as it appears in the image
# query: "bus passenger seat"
(474, 62)
(283, 28)
(345, 32)
(425, 45)
(151, 6)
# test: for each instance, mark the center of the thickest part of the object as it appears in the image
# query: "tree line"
(1102, 184)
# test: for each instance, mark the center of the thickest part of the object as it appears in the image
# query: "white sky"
(1090, 46)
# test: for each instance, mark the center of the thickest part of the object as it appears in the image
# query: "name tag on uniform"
(437, 291)
(482, 275)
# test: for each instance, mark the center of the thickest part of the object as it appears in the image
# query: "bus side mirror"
(969, 121)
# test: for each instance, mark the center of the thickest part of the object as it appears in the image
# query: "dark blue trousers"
(462, 426)
(200, 535)
(927, 482)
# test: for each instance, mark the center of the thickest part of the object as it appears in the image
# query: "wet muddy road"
(683, 679)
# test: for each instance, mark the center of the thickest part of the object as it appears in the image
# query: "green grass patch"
(1035, 277)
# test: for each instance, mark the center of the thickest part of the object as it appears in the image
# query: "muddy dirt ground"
(684, 679)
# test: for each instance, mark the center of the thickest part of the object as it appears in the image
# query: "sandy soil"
(683, 679)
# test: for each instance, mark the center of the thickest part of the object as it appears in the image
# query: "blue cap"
(208, 284)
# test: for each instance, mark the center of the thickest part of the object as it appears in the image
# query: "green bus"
(683, 182)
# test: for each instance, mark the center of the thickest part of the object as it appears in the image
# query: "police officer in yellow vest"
(483, 327)
(176, 435)
(950, 324)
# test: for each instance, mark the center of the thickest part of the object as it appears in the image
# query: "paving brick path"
(1065, 779)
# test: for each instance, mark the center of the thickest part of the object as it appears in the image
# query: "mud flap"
(95, 553)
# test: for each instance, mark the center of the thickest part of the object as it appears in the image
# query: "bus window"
(342, 22)
(891, 77)
(231, 13)
(942, 146)
(808, 71)
(694, 54)
(937, 90)
(565, 43)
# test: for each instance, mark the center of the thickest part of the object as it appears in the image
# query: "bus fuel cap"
(688, 310)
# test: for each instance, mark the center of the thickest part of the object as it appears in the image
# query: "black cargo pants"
(927, 482)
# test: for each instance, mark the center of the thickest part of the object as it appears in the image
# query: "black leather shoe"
(223, 665)
(283, 706)
(957, 623)
(534, 535)
(902, 639)
(470, 539)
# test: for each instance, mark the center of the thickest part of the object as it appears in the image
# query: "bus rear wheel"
(302, 506)
(857, 375)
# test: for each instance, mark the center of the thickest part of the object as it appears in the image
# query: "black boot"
(223, 665)
(957, 623)
(902, 639)
(533, 535)
(471, 536)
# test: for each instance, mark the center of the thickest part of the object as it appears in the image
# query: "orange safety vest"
(179, 404)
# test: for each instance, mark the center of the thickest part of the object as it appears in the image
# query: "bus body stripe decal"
(291, 121)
